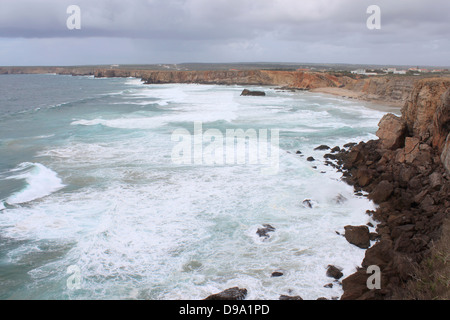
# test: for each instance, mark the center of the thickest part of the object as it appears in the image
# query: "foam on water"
(41, 181)
(142, 227)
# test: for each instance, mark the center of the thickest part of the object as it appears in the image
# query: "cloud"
(263, 29)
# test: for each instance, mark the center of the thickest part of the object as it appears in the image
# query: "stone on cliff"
(392, 131)
(355, 285)
(382, 192)
(247, 92)
(358, 236)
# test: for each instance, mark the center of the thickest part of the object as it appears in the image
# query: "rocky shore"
(406, 172)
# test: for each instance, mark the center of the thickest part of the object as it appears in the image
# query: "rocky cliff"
(391, 89)
(386, 89)
(407, 173)
(289, 79)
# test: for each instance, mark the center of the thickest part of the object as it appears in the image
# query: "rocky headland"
(406, 172)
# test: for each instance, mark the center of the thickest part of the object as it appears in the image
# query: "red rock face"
(391, 132)
(426, 111)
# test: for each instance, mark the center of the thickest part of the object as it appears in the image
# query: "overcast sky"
(413, 32)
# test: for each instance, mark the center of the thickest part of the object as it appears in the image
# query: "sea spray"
(40, 182)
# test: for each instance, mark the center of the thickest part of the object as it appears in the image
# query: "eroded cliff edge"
(390, 89)
(407, 173)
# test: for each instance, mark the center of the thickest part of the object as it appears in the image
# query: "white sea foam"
(41, 181)
(141, 227)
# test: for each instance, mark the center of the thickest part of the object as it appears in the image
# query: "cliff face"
(407, 173)
(427, 111)
(385, 89)
(389, 89)
(290, 79)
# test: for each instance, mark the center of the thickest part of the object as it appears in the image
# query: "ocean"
(94, 203)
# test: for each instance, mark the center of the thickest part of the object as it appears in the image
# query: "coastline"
(356, 95)
(374, 164)
(405, 172)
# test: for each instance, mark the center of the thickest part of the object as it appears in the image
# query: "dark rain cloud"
(413, 31)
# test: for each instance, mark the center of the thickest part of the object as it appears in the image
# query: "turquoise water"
(93, 206)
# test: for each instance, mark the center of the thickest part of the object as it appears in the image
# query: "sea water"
(92, 205)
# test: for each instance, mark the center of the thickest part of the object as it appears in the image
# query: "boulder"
(322, 147)
(436, 180)
(364, 176)
(358, 236)
(392, 131)
(264, 232)
(284, 297)
(307, 203)
(247, 92)
(355, 285)
(335, 149)
(229, 294)
(277, 274)
(334, 272)
(381, 192)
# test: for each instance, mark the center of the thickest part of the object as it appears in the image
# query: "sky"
(412, 32)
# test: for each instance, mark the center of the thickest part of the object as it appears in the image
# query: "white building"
(359, 71)
(395, 71)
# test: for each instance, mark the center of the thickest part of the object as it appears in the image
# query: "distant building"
(359, 71)
(364, 72)
(395, 71)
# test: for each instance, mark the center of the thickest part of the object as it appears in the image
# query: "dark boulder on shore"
(322, 147)
(307, 203)
(277, 274)
(334, 272)
(229, 294)
(358, 236)
(247, 92)
(286, 298)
